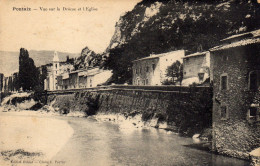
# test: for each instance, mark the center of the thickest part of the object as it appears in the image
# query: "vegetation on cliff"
(162, 26)
(87, 58)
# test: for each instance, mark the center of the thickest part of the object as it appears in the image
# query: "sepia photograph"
(129, 83)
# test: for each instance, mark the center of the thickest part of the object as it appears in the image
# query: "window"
(136, 71)
(153, 67)
(147, 69)
(252, 114)
(223, 82)
(254, 80)
(223, 112)
(252, 111)
(146, 81)
(166, 59)
(140, 71)
(224, 58)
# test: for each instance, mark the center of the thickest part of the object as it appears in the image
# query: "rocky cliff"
(184, 24)
(160, 26)
(87, 58)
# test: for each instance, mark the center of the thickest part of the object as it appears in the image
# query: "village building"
(9, 83)
(236, 85)
(152, 70)
(54, 70)
(61, 76)
(196, 68)
(85, 78)
(97, 76)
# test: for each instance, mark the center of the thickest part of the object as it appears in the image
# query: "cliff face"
(130, 23)
(162, 26)
(177, 24)
(87, 58)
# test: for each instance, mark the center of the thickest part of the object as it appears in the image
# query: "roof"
(243, 40)
(237, 44)
(196, 54)
(87, 72)
(82, 73)
(65, 76)
(153, 56)
(249, 34)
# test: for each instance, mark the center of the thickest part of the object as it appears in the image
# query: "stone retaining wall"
(186, 110)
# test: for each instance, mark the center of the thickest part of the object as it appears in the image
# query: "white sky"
(68, 31)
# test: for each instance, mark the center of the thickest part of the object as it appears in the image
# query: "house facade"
(152, 70)
(196, 68)
(236, 80)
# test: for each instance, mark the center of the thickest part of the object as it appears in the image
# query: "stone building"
(152, 70)
(54, 70)
(196, 68)
(84, 78)
(236, 80)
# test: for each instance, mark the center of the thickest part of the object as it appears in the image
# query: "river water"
(105, 143)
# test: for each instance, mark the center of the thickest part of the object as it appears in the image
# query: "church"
(54, 71)
(62, 76)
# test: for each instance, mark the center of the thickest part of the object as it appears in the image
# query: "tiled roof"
(195, 54)
(255, 33)
(242, 40)
(237, 44)
(156, 56)
(65, 76)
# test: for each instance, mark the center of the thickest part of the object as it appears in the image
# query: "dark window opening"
(153, 66)
(254, 80)
(252, 111)
(224, 58)
(223, 111)
(223, 82)
(147, 69)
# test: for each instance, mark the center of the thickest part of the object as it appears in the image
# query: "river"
(105, 143)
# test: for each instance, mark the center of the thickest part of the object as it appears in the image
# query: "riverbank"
(96, 142)
(105, 107)
(28, 137)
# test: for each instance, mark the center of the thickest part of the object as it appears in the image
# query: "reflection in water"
(104, 143)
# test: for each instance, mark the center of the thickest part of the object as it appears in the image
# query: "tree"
(175, 71)
(28, 74)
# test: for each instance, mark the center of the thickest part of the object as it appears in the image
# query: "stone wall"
(235, 134)
(186, 110)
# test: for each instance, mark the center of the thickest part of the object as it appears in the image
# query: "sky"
(66, 31)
